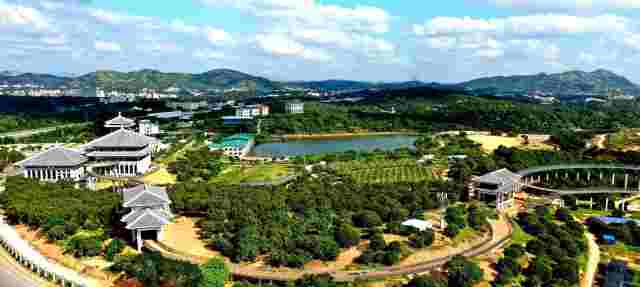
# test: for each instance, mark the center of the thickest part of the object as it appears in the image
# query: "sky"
(371, 40)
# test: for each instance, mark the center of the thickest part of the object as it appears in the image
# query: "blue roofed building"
(237, 145)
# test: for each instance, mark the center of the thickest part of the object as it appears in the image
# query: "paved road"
(13, 275)
(27, 133)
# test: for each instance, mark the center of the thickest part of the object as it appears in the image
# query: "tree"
(425, 281)
(347, 235)
(377, 242)
(366, 219)
(462, 272)
(56, 233)
(214, 273)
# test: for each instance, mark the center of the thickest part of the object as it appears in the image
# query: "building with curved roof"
(149, 212)
(120, 122)
(55, 164)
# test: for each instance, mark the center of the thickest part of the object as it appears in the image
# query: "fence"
(30, 258)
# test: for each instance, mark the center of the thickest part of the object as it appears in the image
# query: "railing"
(30, 258)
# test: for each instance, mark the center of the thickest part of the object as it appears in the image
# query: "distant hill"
(343, 85)
(218, 79)
(561, 84)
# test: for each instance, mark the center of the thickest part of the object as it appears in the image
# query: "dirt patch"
(491, 143)
(182, 235)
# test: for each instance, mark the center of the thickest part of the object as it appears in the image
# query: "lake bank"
(343, 135)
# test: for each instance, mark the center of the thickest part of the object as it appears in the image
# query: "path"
(600, 140)
(14, 275)
(28, 133)
(501, 231)
(592, 264)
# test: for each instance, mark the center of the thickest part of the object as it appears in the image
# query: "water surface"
(331, 145)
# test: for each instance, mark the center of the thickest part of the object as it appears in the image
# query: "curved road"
(13, 275)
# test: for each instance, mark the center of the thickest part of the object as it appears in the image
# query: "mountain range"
(571, 83)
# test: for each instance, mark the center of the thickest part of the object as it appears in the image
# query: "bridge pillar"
(577, 176)
(588, 176)
(613, 179)
(547, 175)
(606, 204)
(566, 174)
(626, 181)
(590, 202)
(601, 175)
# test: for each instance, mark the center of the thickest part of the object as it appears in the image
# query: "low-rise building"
(294, 107)
(252, 111)
(188, 105)
(237, 145)
(148, 128)
(54, 165)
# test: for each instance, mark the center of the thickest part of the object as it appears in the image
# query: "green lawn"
(464, 235)
(264, 172)
(519, 236)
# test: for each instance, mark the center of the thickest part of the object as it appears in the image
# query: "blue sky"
(373, 40)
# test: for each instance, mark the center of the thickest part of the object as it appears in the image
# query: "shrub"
(452, 231)
(424, 239)
(81, 246)
(214, 273)
(56, 233)
(114, 248)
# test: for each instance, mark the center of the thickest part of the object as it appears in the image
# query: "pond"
(332, 145)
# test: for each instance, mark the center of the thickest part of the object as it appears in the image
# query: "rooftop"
(236, 140)
(120, 121)
(57, 156)
(498, 177)
(145, 196)
(121, 138)
(147, 218)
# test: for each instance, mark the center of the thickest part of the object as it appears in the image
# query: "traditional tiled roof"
(498, 177)
(120, 121)
(148, 218)
(120, 154)
(121, 138)
(147, 196)
(55, 157)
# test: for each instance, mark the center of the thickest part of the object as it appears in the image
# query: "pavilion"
(120, 122)
(149, 212)
(500, 184)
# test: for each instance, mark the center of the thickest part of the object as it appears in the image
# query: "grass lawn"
(160, 177)
(519, 236)
(465, 234)
(262, 172)
(103, 184)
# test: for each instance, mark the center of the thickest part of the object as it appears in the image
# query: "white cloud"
(206, 54)
(115, 18)
(279, 45)
(107, 46)
(541, 25)
(16, 15)
(567, 5)
(282, 45)
(217, 36)
(355, 30)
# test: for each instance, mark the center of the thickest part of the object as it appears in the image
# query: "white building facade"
(252, 111)
(294, 108)
(55, 164)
